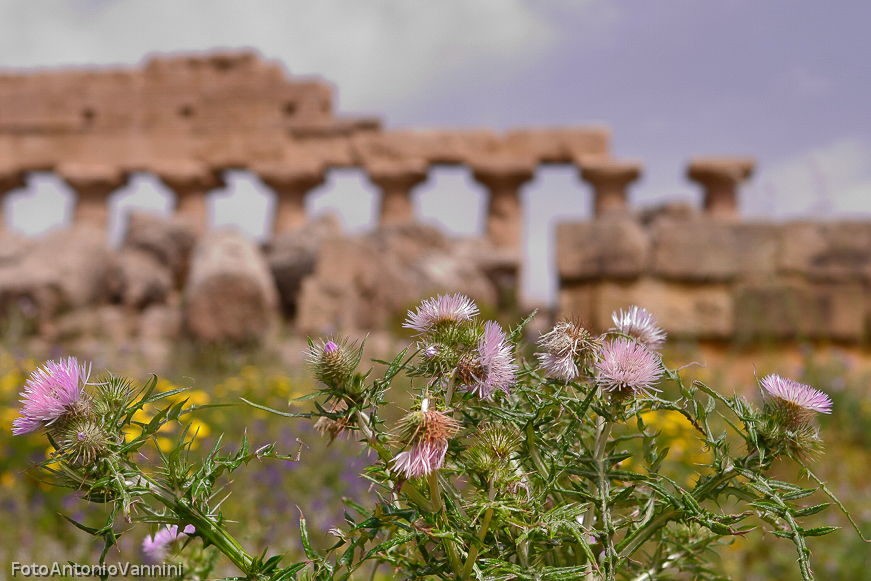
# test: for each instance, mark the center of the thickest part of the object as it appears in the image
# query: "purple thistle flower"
(50, 392)
(492, 367)
(157, 547)
(626, 368)
(330, 347)
(444, 308)
(637, 322)
(795, 403)
(428, 432)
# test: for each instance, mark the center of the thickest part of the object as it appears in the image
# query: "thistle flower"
(334, 427)
(428, 433)
(793, 403)
(157, 547)
(444, 308)
(640, 324)
(626, 368)
(51, 393)
(490, 367)
(565, 346)
(332, 362)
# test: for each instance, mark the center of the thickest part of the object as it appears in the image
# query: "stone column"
(720, 176)
(609, 180)
(10, 179)
(396, 178)
(290, 181)
(191, 182)
(503, 177)
(93, 183)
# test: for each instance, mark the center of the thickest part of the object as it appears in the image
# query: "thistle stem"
(482, 532)
(438, 508)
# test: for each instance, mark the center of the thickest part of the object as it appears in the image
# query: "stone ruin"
(187, 119)
(707, 274)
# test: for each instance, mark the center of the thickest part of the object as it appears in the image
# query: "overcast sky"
(785, 81)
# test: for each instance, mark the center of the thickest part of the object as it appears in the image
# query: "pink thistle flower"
(51, 392)
(565, 346)
(490, 367)
(428, 433)
(444, 308)
(157, 547)
(626, 368)
(795, 403)
(637, 322)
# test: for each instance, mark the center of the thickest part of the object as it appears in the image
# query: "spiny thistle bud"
(84, 440)
(626, 368)
(491, 451)
(566, 347)
(112, 394)
(334, 362)
(639, 324)
(427, 432)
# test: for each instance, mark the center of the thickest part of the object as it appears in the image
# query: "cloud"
(829, 181)
(377, 52)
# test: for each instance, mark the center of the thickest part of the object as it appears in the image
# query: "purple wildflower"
(626, 368)
(566, 345)
(490, 367)
(51, 392)
(428, 433)
(640, 324)
(444, 308)
(330, 347)
(157, 547)
(795, 403)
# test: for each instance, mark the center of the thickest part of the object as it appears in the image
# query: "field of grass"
(266, 499)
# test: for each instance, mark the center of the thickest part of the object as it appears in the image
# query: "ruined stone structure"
(186, 119)
(711, 276)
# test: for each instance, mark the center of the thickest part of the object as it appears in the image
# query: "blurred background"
(783, 83)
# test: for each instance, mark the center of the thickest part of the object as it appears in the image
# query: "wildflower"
(490, 367)
(428, 433)
(565, 346)
(157, 547)
(333, 362)
(640, 324)
(444, 308)
(626, 368)
(334, 427)
(112, 394)
(52, 392)
(792, 402)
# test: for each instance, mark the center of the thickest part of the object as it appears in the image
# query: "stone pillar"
(609, 180)
(396, 178)
(503, 177)
(290, 181)
(10, 179)
(720, 176)
(93, 183)
(191, 182)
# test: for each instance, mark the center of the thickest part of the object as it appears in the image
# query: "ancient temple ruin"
(187, 119)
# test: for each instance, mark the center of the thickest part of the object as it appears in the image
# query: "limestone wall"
(710, 278)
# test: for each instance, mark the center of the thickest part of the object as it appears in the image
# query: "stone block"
(169, 240)
(614, 247)
(827, 252)
(693, 311)
(230, 294)
(800, 310)
(712, 250)
(576, 302)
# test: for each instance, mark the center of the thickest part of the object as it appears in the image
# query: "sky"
(784, 81)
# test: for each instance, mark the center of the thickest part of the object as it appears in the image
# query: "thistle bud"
(84, 440)
(112, 395)
(334, 362)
